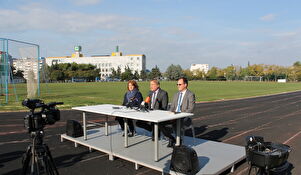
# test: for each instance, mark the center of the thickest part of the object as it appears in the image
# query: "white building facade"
(28, 64)
(199, 67)
(105, 63)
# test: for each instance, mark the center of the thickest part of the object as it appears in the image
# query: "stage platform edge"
(214, 157)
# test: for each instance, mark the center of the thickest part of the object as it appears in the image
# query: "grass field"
(79, 94)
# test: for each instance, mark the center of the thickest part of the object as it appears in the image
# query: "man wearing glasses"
(183, 101)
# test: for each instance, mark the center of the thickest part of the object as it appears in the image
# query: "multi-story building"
(27, 65)
(106, 63)
(199, 67)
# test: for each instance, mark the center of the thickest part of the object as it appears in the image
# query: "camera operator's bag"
(74, 128)
(184, 160)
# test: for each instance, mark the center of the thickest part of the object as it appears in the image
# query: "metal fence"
(20, 67)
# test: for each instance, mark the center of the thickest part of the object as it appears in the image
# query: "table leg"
(106, 127)
(85, 126)
(178, 139)
(156, 142)
(126, 133)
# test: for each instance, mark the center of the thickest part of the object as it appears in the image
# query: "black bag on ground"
(184, 160)
(74, 128)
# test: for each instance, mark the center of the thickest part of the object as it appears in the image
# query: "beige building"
(106, 63)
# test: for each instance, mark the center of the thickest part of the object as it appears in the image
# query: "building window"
(137, 58)
(131, 58)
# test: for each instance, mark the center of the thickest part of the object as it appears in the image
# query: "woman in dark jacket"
(132, 98)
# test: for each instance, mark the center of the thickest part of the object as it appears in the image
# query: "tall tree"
(199, 75)
(155, 73)
(174, 72)
(212, 73)
(127, 74)
(118, 73)
(114, 73)
(136, 75)
(143, 75)
(188, 74)
(230, 72)
(256, 70)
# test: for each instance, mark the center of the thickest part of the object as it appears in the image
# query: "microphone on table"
(144, 104)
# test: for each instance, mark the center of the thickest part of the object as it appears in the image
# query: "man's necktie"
(179, 102)
(153, 100)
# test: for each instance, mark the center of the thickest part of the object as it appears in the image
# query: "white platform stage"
(214, 157)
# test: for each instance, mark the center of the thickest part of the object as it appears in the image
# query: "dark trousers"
(147, 126)
(163, 126)
(121, 123)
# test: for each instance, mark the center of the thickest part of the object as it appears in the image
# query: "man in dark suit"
(158, 97)
(158, 101)
(183, 101)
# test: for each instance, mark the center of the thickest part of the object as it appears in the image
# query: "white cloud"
(286, 34)
(268, 17)
(37, 17)
(85, 2)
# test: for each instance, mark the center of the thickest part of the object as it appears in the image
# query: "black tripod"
(38, 157)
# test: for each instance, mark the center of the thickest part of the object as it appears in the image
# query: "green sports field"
(80, 94)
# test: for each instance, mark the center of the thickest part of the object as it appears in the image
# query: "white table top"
(121, 111)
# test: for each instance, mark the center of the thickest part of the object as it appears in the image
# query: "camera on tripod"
(38, 157)
(48, 114)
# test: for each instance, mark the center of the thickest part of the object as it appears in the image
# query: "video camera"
(48, 115)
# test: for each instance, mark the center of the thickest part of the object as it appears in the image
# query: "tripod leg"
(47, 166)
(35, 161)
(26, 160)
(50, 161)
(250, 169)
(261, 171)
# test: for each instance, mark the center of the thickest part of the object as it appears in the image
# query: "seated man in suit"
(158, 101)
(183, 101)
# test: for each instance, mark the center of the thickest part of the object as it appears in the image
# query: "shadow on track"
(214, 135)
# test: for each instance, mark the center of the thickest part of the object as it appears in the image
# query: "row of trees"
(66, 71)
(259, 71)
(129, 75)
(265, 72)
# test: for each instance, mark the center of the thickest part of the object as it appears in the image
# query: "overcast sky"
(219, 33)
